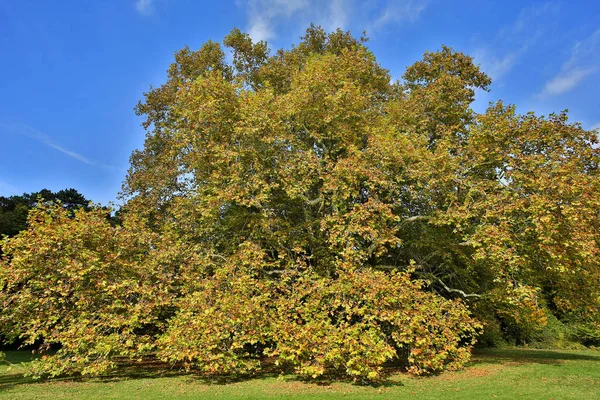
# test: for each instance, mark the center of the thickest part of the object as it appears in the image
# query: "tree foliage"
(300, 205)
(95, 290)
(14, 209)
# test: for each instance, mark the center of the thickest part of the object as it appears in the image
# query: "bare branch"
(218, 256)
(462, 293)
(274, 272)
(416, 218)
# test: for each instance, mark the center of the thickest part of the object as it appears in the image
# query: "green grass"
(493, 374)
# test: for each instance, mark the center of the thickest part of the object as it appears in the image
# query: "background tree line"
(14, 209)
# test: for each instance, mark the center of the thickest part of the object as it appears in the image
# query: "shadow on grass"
(126, 370)
(10, 372)
(269, 370)
(16, 360)
(529, 356)
(331, 377)
(153, 369)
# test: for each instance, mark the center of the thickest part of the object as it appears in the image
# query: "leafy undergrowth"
(492, 374)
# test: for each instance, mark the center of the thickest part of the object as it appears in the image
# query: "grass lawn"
(493, 374)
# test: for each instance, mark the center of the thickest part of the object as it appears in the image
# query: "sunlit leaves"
(96, 290)
(302, 207)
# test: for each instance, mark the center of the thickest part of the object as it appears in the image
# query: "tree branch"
(274, 272)
(462, 293)
(416, 218)
(314, 202)
(412, 219)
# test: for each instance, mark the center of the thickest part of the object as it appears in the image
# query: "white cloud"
(266, 17)
(565, 81)
(396, 12)
(512, 42)
(584, 61)
(263, 15)
(585, 51)
(43, 138)
(497, 66)
(338, 17)
(144, 7)
(533, 15)
(260, 29)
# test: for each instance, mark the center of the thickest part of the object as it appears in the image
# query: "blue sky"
(72, 71)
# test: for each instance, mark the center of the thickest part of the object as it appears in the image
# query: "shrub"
(89, 289)
(361, 319)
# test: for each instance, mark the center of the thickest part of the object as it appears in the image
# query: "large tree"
(301, 205)
(316, 156)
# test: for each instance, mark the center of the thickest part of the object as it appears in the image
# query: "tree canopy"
(300, 204)
(14, 209)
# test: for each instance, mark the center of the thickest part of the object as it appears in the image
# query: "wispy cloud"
(338, 16)
(565, 81)
(266, 17)
(144, 7)
(584, 61)
(511, 42)
(263, 15)
(396, 12)
(260, 29)
(531, 18)
(497, 66)
(45, 139)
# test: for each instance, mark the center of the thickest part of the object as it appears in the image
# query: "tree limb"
(462, 293)
(416, 218)
(316, 201)
(412, 219)
(274, 272)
